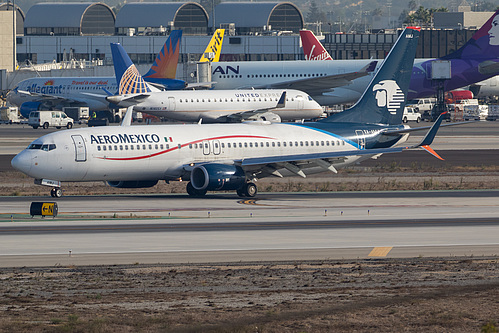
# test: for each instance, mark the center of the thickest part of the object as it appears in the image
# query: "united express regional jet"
(223, 157)
(475, 61)
(208, 105)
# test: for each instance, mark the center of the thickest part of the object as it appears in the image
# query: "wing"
(270, 165)
(319, 84)
(53, 99)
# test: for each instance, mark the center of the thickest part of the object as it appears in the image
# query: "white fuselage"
(234, 75)
(167, 151)
(73, 90)
(215, 105)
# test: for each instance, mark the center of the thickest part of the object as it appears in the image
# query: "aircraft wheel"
(250, 190)
(56, 192)
(46, 125)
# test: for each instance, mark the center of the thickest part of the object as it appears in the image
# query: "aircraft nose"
(22, 162)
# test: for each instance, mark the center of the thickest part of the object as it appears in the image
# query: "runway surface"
(293, 226)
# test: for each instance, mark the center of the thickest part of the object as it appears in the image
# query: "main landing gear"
(248, 190)
(56, 192)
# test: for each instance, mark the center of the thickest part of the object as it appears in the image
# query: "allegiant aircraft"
(475, 61)
(224, 157)
(57, 92)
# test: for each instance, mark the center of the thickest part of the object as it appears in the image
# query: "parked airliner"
(208, 105)
(57, 92)
(476, 61)
(221, 157)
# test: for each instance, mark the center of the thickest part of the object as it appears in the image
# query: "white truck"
(423, 104)
(411, 115)
(9, 115)
(78, 113)
(48, 119)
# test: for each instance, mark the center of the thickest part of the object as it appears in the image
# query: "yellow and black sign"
(43, 209)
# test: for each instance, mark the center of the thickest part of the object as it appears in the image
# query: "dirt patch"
(422, 294)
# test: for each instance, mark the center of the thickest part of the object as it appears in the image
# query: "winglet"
(431, 151)
(282, 101)
(428, 139)
(127, 119)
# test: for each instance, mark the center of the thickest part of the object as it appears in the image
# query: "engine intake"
(133, 183)
(217, 177)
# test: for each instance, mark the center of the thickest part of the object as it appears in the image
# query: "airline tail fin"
(212, 52)
(127, 76)
(383, 101)
(484, 44)
(312, 47)
(165, 65)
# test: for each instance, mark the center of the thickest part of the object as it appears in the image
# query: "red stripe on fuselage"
(184, 145)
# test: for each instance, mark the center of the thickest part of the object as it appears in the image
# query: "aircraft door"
(206, 147)
(171, 104)
(80, 149)
(216, 147)
(300, 101)
(361, 139)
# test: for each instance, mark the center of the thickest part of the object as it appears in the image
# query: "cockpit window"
(35, 146)
(45, 147)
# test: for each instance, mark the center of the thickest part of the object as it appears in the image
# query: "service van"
(423, 104)
(410, 114)
(48, 119)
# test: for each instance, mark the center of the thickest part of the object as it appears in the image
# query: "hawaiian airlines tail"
(212, 52)
(313, 49)
(483, 45)
(384, 100)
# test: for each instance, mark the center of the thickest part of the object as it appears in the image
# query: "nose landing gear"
(56, 192)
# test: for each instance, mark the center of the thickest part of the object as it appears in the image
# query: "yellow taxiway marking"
(380, 251)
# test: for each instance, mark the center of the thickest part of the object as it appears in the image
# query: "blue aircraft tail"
(383, 101)
(127, 76)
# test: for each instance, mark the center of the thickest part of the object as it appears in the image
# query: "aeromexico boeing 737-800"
(220, 157)
(475, 61)
(57, 92)
(208, 105)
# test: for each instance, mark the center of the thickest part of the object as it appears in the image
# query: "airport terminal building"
(255, 31)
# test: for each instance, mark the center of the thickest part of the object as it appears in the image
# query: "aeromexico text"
(124, 138)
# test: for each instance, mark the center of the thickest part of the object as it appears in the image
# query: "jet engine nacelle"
(217, 177)
(133, 183)
(27, 107)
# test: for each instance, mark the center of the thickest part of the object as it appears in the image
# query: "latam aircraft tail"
(312, 47)
(383, 101)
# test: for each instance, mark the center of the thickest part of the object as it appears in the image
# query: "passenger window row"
(269, 144)
(133, 147)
